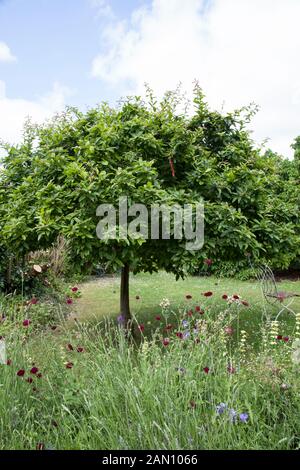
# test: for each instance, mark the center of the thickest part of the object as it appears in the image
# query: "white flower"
(165, 303)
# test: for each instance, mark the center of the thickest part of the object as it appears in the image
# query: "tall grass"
(115, 395)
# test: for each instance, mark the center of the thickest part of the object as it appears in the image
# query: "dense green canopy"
(53, 182)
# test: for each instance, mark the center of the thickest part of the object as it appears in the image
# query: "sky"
(55, 53)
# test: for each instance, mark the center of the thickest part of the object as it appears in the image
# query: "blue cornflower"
(244, 417)
(121, 319)
(186, 335)
(221, 408)
(185, 323)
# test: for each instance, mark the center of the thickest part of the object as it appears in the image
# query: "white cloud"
(14, 112)
(5, 53)
(240, 51)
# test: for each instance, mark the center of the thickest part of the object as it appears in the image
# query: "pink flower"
(208, 262)
(229, 330)
(26, 322)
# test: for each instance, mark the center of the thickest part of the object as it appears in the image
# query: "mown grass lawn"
(100, 298)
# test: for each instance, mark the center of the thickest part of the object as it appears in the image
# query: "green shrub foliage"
(52, 183)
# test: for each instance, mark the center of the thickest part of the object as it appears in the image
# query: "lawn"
(100, 298)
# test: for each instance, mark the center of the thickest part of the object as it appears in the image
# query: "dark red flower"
(235, 297)
(137, 297)
(8, 363)
(53, 328)
(158, 318)
(142, 328)
(179, 334)
(208, 294)
(39, 375)
(166, 341)
(225, 297)
(33, 301)
(231, 370)
(75, 289)
(208, 262)
(197, 340)
(26, 322)
(206, 370)
(197, 309)
(69, 301)
(29, 380)
(70, 347)
(21, 373)
(286, 339)
(188, 296)
(279, 337)
(169, 327)
(40, 446)
(245, 303)
(34, 370)
(80, 349)
(193, 404)
(69, 365)
(190, 313)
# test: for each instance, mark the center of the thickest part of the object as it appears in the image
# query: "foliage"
(57, 177)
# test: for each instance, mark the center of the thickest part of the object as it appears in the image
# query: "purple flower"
(186, 335)
(221, 408)
(244, 417)
(121, 319)
(185, 323)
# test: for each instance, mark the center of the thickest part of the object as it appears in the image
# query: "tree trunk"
(124, 297)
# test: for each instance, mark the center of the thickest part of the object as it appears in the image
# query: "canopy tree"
(153, 153)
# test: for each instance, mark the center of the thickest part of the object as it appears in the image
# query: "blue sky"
(79, 52)
(55, 40)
